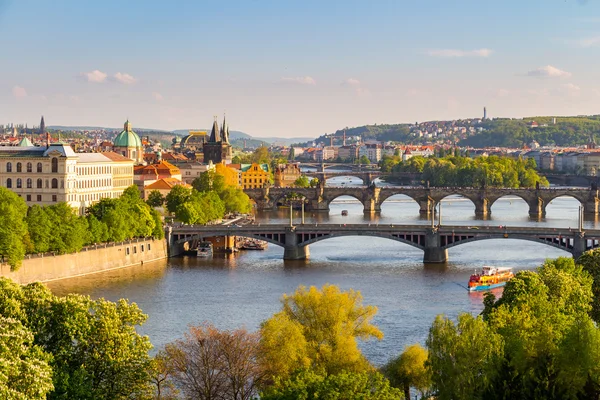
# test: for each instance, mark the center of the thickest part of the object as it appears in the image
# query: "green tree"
(590, 262)
(346, 385)
(155, 199)
(302, 182)
(330, 322)
(314, 182)
(209, 181)
(70, 231)
(40, 228)
(364, 160)
(409, 370)
(178, 195)
(236, 200)
(24, 369)
(13, 227)
(97, 229)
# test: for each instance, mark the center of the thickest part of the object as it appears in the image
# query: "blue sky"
(295, 68)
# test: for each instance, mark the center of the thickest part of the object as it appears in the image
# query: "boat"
(490, 278)
(204, 249)
(344, 212)
(253, 244)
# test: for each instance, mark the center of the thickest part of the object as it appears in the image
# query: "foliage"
(302, 182)
(213, 364)
(409, 370)
(314, 182)
(364, 160)
(236, 200)
(492, 171)
(24, 370)
(590, 262)
(320, 329)
(93, 347)
(161, 373)
(209, 181)
(12, 227)
(155, 199)
(229, 174)
(346, 385)
(177, 196)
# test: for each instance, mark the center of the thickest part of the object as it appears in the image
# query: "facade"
(192, 170)
(218, 149)
(53, 174)
(254, 176)
(286, 174)
(371, 151)
(348, 153)
(145, 175)
(128, 144)
(163, 186)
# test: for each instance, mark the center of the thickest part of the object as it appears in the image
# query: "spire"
(224, 131)
(42, 126)
(214, 133)
(127, 126)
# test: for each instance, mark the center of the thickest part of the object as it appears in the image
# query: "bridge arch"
(479, 205)
(344, 175)
(270, 238)
(515, 201)
(565, 244)
(558, 206)
(416, 241)
(355, 196)
(407, 204)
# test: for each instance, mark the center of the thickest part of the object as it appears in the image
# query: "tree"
(161, 373)
(12, 227)
(178, 195)
(314, 182)
(70, 231)
(409, 370)
(307, 384)
(330, 322)
(40, 228)
(24, 369)
(155, 199)
(590, 262)
(212, 364)
(97, 229)
(229, 174)
(261, 155)
(209, 181)
(236, 200)
(364, 160)
(302, 182)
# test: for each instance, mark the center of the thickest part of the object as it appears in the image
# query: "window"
(62, 184)
(9, 183)
(127, 251)
(148, 246)
(29, 167)
(9, 167)
(142, 248)
(39, 183)
(134, 249)
(19, 167)
(39, 197)
(19, 183)
(39, 167)
(28, 197)
(54, 183)
(29, 183)
(47, 185)
(55, 164)
(54, 198)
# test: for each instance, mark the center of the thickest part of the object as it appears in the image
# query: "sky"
(295, 68)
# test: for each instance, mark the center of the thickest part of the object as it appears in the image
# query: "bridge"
(367, 177)
(319, 198)
(321, 167)
(434, 241)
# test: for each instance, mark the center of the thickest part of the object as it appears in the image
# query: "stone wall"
(90, 260)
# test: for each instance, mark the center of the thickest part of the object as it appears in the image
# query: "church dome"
(127, 138)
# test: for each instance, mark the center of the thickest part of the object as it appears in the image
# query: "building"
(286, 174)
(218, 149)
(144, 175)
(371, 151)
(348, 153)
(254, 176)
(192, 170)
(46, 175)
(128, 144)
(163, 186)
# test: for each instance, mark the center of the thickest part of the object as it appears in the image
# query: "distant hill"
(99, 128)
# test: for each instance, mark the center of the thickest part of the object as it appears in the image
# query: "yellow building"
(286, 175)
(254, 176)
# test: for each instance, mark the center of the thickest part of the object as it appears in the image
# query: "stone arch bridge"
(434, 241)
(319, 198)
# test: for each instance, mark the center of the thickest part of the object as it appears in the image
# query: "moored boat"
(205, 249)
(253, 244)
(490, 278)
(344, 212)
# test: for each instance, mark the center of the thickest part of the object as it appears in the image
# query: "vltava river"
(244, 290)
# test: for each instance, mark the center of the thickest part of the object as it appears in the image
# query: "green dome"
(127, 138)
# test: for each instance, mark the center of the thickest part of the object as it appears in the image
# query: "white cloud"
(19, 92)
(94, 76)
(454, 53)
(157, 96)
(300, 80)
(570, 89)
(548, 72)
(125, 79)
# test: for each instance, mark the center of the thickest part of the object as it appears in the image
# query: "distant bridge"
(434, 241)
(319, 198)
(322, 167)
(366, 177)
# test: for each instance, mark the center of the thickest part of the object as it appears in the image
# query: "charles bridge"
(319, 198)
(433, 240)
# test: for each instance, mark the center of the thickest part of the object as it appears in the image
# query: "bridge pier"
(482, 208)
(371, 206)
(579, 245)
(537, 208)
(591, 207)
(291, 250)
(433, 252)
(425, 206)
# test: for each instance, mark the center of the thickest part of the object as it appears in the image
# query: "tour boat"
(205, 249)
(254, 244)
(489, 278)
(344, 212)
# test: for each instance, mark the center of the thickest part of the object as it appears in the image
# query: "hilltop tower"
(484, 113)
(218, 149)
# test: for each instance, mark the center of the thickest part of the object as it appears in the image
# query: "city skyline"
(298, 69)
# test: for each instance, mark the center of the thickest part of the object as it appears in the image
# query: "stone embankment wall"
(89, 260)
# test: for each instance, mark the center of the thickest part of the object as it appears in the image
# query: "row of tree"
(492, 171)
(209, 199)
(56, 228)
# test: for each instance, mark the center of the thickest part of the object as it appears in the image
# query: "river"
(245, 289)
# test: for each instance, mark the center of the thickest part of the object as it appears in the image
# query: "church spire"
(42, 126)
(224, 131)
(214, 133)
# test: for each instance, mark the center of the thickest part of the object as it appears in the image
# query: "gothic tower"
(42, 126)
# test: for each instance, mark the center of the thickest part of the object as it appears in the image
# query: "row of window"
(93, 170)
(29, 166)
(29, 183)
(39, 198)
(127, 252)
(260, 180)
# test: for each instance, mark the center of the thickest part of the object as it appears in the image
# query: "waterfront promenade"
(434, 241)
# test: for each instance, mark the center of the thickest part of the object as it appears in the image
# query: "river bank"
(90, 260)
